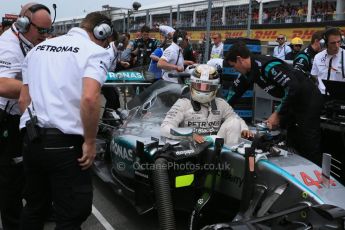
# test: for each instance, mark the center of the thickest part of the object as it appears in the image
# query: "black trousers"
(11, 173)
(303, 131)
(111, 94)
(53, 175)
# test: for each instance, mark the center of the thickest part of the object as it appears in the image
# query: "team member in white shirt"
(217, 48)
(62, 78)
(282, 49)
(172, 60)
(329, 63)
(31, 28)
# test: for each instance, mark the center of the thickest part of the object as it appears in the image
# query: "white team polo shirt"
(321, 65)
(281, 51)
(217, 51)
(54, 72)
(173, 55)
(11, 59)
(114, 54)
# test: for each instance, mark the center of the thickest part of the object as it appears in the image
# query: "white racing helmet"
(204, 83)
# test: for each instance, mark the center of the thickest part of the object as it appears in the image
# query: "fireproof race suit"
(304, 60)
(301, 103)
(216, 118)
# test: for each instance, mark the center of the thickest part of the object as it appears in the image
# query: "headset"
(179, 36)
(103, 30)
(330, 31)
(23, 22)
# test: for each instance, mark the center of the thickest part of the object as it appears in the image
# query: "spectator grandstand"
(230, 17)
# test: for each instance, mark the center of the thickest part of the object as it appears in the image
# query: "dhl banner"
(265, 35)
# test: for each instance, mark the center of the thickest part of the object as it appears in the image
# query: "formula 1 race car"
(255, 184)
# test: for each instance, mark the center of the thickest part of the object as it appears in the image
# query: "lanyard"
(178, 56)
(281, 49)
(342, 66)
(21, 42)
(329, 73)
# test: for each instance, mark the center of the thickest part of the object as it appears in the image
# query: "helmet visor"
(204, 87)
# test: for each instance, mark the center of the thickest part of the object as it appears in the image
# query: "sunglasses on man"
(41, 30)
(280, 38)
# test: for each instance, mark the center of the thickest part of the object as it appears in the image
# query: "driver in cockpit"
(204, 112)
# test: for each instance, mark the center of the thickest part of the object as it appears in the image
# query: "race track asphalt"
(112, 212)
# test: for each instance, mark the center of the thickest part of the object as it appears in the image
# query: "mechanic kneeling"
(203, 111)
(62, 78)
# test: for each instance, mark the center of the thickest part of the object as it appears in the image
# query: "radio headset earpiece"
(103, 30)
(179, 40)
(332, 31)
(322, 43)
(54, 7)
(23, 22)
(179, 36)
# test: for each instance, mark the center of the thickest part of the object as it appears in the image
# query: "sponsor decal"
(57, 49)
(122, 152)
(5, 64)
(103, 66)
(285, 81)
(184, 152)
(204, 123)
(261, 34)
(125, 76)
(309, 181)
(227, 175)
(274, 72)
(268, 88)
(237, 82)
(203, 131)
(277, 75)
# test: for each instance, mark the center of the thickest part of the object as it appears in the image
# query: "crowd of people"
(321, 11)
(238, 15)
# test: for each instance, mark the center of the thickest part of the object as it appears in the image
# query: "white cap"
(166, 30)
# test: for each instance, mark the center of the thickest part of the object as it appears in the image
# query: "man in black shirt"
(297, 112)
(143, 47)
(188, 55)
(304, 59)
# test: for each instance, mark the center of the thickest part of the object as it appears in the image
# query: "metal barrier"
(230, 17)
(225, 14)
